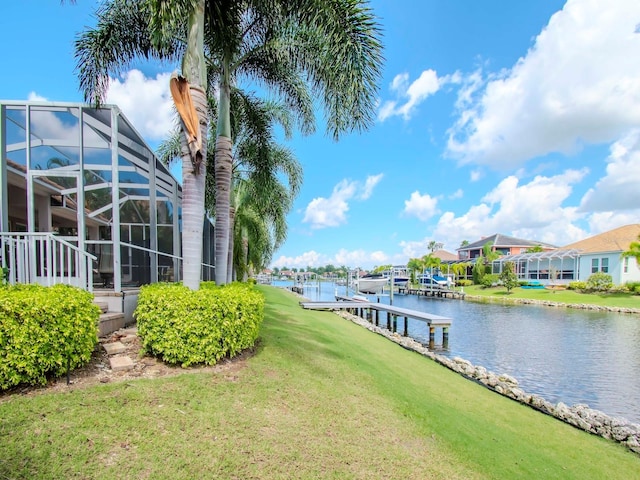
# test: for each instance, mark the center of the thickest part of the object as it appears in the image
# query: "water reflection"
(568, 355)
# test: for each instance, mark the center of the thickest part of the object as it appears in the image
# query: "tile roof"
(500, 240)
(444, 255)
(616, 240)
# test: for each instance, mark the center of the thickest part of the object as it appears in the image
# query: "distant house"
(444, 256)
(602, 253)
(578, 260)
(503, 244)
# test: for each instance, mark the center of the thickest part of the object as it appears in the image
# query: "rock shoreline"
(548, 303)
(580, 415)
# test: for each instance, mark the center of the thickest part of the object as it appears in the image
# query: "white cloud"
(576, 85)
(353, 258)
(422, 207)
(34, 97)
(533, 211)
(457, 194)
(413, 94)
(415, 248)
(604, 221)
(332, 212)
(369, 185)
(618, 189)
(312, 258)
(146, 102)
(475, 175)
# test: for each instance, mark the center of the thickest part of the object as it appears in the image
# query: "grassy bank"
(321, 398)
(621, 300)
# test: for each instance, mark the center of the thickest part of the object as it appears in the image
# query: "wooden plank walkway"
(435, 292)
(371, 311)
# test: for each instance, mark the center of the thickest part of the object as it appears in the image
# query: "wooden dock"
(371, 311)
(433, 292)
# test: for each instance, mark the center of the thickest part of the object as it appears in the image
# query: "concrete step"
(110, 322)
(121, 363)
(114, 348)
(104, 306)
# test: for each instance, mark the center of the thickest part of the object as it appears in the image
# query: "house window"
(604, 265)
(595, 263)
(626, 264)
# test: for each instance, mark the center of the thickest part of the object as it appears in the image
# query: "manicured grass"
(321, 398)
(623, 300)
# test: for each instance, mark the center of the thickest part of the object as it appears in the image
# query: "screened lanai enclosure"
(554, 266)
(85, 201)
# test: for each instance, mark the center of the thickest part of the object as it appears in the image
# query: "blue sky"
(520, 118)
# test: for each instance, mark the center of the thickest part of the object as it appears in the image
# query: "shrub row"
(187, 327)
(44, 331)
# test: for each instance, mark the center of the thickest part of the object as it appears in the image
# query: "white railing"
(45, 259)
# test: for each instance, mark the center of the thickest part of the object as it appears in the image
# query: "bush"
(464, 283)
(188, 327)
(44, 331)
(490, 280)
(599, 282)
(633, 287)
(577, 285)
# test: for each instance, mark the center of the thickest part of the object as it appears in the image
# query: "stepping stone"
(128, 338)
(121, 363)
(114, 348)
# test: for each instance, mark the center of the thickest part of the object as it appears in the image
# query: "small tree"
(508, 277)
(479, 270)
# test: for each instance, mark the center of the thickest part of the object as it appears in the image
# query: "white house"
(602, 253)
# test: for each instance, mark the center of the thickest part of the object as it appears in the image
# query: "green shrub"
(44, 331)
(188, 327)
(464, 283)
(599, 282)
(490, 280)
(633, 287)
(577, 285)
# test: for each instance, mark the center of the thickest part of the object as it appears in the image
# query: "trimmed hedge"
(188, 327)
(44, 331)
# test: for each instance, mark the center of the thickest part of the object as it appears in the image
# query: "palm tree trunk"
(223, 171)
(193, 190)
(232, 219)
(194, 169)
(245, 253)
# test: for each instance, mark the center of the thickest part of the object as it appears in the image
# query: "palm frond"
(121, 35)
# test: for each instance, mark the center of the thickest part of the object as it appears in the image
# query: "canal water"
(562, 354)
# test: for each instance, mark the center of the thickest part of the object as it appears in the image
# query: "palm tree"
(633, 251)
(280, 44)
(294, 48)
(433, 246)
(263, 165)
(266, 180)
(414, 265)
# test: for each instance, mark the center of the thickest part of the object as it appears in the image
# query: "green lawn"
(623, 300)
(321, 398)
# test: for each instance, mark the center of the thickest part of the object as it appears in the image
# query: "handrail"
(176, 257)
(42, 257)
